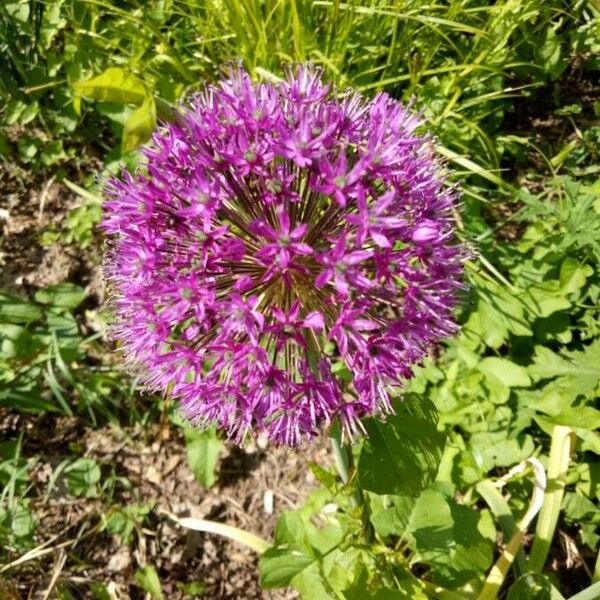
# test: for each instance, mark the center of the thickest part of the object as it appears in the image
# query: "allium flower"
(276, 234)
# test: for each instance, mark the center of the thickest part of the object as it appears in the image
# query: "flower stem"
(558, 464)
(341, 454)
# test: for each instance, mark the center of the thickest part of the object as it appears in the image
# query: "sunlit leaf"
(113, 85)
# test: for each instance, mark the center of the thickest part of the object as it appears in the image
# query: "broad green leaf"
(576, 417)
(18, 310)
(533, 586)
(342, 568)
(147, 578)
(291, 531)
(140, 125)
(454, 540)
(402, 455)
(573, 275)
(113, 85)
(405, 586)
(394, 520)
(504, 371)
(297, 545)
(546, 298)
(311, 584)
(63, 295)
(278, 566)
(495, 449)
(494, 328)
(30, 113)
(584, 420)
(578, 372)
(203, 448)
(547, 52)
(100, 591)
(556, 326)
(16, 341)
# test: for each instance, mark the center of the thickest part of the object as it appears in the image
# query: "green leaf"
(140, 125)
(311, 584)
(63, 295)
(113, 85)
(504, 371)
(13, 110)
(494, 329)
(578, 372)
(573, 275)
(291, 531)
(191, 588)
(18, 10)
(402, 455)
(455, 541)
(394, 520)
(278, 566)
(576, 417)
(298, 544)
(123, 521)
(533, 586)
(547, 52)
(17, 310)
(203, 448)
(30, 113)
(291, 554)
(584, 420)
(546, 298)
(52, 22)
(22, 522)
(100, 591)
(82, 477)
(495, 449)
(147, 579)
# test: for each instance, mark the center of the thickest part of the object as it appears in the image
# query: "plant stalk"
(558, 464)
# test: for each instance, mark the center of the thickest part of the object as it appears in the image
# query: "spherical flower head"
(283, 256)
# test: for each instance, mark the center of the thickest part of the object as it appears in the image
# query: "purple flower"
(274, 234)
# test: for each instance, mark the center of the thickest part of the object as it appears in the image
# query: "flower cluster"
(283, 257)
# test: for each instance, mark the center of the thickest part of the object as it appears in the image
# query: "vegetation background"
(91, 471)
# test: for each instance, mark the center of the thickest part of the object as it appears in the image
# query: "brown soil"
(156, 471)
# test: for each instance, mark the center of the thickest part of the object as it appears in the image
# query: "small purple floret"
(275, 234)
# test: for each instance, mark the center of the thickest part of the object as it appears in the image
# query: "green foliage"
(147, 579)
(402, 454)
(203, 448)
(43, 356)
(82, 477)
(123, 521)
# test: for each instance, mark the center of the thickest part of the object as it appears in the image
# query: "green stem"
(500, 509)
(558, 464)
(343, 461)
(590, 593)
(497, 575)
(341, 456)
